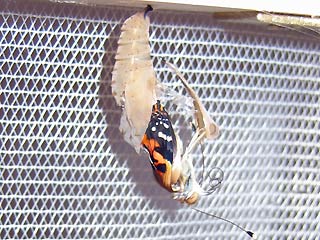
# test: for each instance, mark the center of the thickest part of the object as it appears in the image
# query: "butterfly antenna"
(214, 182)
(251, 234)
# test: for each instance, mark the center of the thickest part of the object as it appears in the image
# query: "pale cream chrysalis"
(133, 78)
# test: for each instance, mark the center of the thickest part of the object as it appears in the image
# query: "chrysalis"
(133, 78)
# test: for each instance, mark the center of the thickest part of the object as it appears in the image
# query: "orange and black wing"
(160, 142)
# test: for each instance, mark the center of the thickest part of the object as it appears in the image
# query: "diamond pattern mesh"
(66, 171)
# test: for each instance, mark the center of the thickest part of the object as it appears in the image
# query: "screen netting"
(66, 171)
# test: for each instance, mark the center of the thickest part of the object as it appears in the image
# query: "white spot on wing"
(153, 129)
(162, 135)
(165, 125)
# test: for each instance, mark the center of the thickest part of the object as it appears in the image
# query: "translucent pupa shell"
(133, 78)
(205, 125)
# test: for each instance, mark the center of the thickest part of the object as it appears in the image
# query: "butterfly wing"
(160, 142)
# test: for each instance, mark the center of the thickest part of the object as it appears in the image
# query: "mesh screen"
(66, 171)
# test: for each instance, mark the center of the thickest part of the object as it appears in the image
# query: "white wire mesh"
(66, 171)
